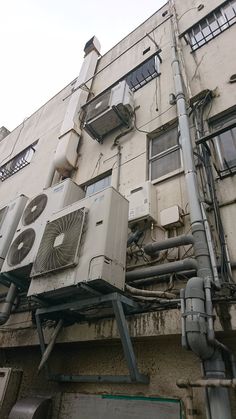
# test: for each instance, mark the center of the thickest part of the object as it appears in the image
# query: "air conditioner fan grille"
(60, 243)
(34, 209)
(20, 247)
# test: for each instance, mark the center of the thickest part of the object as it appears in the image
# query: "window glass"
(164, 141)
(164, 154)
(98, 185)
(227, 142)
(165, 164)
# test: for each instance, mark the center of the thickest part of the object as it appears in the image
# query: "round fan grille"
(34, 209)
(60, 242)
(21, 247)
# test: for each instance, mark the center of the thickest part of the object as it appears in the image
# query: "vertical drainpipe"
(218, 399)
(70, 132)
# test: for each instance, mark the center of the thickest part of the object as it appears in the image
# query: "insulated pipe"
(177, 241)
(166, 268)
(7, 306)
(149, 293)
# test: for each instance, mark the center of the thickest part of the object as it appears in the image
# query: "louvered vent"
(21, 246)
(34, 209)
(60, 243)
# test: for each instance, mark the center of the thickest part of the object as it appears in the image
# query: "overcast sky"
(42, 45)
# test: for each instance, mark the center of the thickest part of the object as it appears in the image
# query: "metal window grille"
(164, 154)
(212, 25)
(143, 74)
(17, 162)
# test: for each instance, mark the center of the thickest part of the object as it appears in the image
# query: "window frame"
(166, 152)
(224, 169)
(95, 180)
(218, 14)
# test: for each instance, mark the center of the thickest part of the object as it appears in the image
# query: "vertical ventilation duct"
(70, 132)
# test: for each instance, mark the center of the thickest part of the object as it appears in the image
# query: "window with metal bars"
(212, 25)
(143, 74)
(17, 162)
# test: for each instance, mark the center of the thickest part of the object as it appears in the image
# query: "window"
(98, 185)
(164, 154)
(212, 25)
(143, 74)
(225, 145)
(17, 163)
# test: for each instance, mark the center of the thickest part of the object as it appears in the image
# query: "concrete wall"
(205, 68)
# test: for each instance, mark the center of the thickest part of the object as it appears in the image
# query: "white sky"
(42, 44)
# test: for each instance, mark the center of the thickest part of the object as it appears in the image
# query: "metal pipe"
(149, 293)
(166, 268)
(177, 241)
(51, 344)
(7, 306)
(162, 278)
(194, 296)
(210, 247)
(210, 382)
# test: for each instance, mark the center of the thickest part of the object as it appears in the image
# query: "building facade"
(154, 121)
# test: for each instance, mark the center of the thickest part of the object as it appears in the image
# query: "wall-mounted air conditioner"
(25, 243)
(9, 219)
(84, 244)
(142, 203)
(110, 110)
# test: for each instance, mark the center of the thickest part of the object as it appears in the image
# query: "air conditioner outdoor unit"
(9, 219)
(24, 246)
(109, 111)
(83, 245)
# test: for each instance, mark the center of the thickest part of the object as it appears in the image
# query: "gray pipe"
(7, 306)
(177, 241)
(196, 327)
(166, 268)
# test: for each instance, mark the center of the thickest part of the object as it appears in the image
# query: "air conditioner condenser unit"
(109, 111)
(24, 246)
(84, 244)
(9, 218)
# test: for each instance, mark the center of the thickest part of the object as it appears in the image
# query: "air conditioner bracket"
(117, 301)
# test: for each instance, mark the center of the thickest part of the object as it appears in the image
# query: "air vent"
(60, 243)
(20, 247)
(34, 209)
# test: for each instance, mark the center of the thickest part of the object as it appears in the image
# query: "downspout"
(7, 306)
(194, 323)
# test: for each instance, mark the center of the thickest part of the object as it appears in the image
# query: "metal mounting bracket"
(117, 302)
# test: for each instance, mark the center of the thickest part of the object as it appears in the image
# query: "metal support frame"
(117, 302)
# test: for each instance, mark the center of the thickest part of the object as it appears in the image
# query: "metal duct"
(37, 407)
